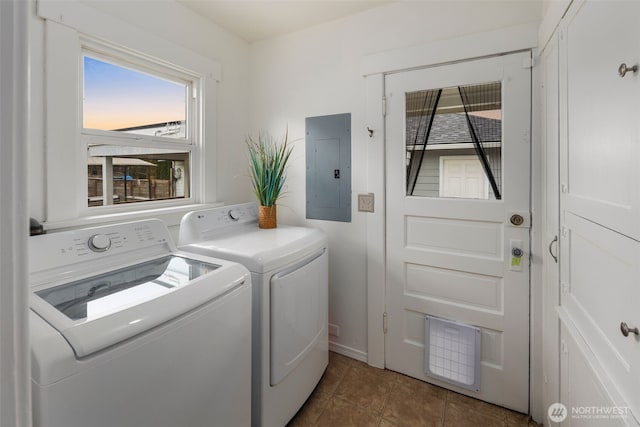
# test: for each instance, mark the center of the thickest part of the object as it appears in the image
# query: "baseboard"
(348, 351)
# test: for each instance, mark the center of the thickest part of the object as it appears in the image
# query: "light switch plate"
(365, 202)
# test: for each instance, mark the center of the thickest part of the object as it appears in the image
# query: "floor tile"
(516, 419)
(416, 384)
(366, 388)
(335, 373)
(345, 414)
(310, 412)
(475, 405)
(462, 411)
(351, 393)
(414, 406)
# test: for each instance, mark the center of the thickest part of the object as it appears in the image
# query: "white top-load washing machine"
(289, 274)
(128, 331)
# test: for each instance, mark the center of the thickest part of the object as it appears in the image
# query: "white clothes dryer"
(128, 331)
(289, 273)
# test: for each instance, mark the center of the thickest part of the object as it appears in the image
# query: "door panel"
(602, 150)
(451, 257)
(600, 277)
(298, 324)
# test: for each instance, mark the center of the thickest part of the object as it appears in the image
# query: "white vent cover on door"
(452, 352)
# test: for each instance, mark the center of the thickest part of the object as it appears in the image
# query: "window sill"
(170, 215)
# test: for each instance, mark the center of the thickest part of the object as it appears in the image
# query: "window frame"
(191, 144)
(64, 174)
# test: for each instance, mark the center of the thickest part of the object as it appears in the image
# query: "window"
(462, 177)
(138, 166)
(138, 128)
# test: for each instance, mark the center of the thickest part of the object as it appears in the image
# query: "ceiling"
(255, 20)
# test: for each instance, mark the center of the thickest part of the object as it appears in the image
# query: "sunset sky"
(117, 97)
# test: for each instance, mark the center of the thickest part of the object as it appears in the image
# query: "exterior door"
(453, 257)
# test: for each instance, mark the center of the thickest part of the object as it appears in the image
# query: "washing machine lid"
(99, 311)
(262, 250)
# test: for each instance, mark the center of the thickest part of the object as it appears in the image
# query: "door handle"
(626, 330)
(624, 69)
(555, 240)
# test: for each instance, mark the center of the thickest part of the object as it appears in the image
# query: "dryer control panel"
(56, 250)
(206, 224)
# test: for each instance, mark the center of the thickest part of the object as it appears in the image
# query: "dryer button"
(234, 214)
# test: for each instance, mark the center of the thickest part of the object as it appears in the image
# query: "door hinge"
(384, 106)
(566, 288)
(564, 347)
(384, 322)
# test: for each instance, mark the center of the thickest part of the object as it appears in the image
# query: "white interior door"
(452, 257)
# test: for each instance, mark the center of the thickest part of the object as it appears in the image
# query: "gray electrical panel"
(328, 158)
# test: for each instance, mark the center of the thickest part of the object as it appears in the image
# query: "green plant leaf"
(267, 165)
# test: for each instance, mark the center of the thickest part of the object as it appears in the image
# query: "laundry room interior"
(462, 181)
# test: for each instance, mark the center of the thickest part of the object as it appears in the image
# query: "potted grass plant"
(268, 159)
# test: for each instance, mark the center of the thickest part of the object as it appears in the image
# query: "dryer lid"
(262, 250)
(102, 310)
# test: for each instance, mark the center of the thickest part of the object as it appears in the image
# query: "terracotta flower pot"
(267, 216)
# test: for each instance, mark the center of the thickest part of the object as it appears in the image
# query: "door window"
(460, 122)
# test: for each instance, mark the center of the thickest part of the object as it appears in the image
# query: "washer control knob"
(234, 214)
(99, 243)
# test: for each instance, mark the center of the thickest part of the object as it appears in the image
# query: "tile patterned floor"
(351, 393)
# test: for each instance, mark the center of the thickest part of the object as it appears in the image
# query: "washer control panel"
(99, 242)
(54, 250)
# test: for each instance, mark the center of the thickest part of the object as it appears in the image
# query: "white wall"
(318, 72)
(173, 22)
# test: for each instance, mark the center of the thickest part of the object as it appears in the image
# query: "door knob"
(626, 330)
(516, 219)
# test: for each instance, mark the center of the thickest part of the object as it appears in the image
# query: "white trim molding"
(489, 43)
(376, 222)
(15, 362)
(348, 351)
